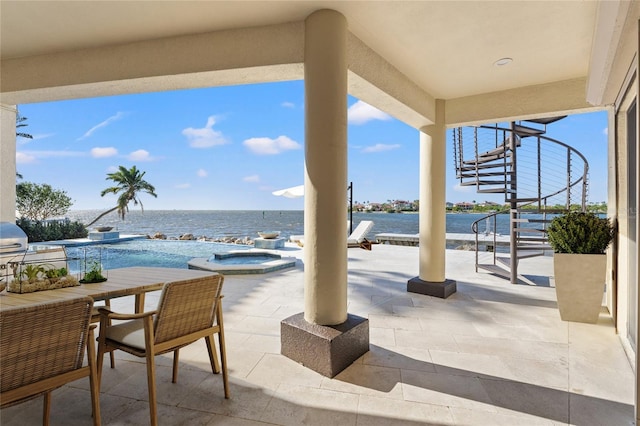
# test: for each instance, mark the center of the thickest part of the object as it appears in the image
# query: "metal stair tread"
(487, 159)
(527, 220)
(484, 166)
(493, 191)
(482, 174)
(532, 230)
(535, 247)
(524, 131)
(547, 120)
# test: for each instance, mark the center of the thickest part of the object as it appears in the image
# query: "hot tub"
(243, 262)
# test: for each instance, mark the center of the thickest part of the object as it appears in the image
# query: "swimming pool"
(143, 252)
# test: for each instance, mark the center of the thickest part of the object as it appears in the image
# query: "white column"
(325, 210)
(8, 163)
(432, 198)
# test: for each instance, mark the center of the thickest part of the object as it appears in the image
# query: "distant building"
(464, 205)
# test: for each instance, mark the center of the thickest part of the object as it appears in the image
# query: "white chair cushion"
(130, 333)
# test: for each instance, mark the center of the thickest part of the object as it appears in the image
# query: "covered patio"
(492, 353)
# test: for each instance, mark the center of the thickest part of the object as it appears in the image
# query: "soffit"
(446, 47)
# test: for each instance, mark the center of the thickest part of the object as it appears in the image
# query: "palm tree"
(129, 182)
(20, 122)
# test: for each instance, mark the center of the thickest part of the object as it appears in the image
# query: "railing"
(550, 173)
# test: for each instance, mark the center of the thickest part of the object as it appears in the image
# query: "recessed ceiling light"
(502, 62)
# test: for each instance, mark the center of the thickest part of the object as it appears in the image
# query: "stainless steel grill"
(12, 238)
(13, 248)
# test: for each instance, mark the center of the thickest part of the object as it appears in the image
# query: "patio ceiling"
(447, 48)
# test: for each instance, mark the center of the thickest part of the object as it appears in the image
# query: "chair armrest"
(114, 315)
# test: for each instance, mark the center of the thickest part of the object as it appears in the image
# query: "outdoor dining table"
(133, 281)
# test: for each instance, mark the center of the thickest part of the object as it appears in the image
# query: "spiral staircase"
(540, 177)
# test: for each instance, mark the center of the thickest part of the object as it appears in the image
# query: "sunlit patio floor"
(494, 353)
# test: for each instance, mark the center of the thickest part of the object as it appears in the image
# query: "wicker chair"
(95, 317)
(187, 311)
(43, 347)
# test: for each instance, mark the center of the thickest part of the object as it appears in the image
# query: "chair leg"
(112, 357)
(213, 356)
(223, 361)
(151, 382)
(99, 361)
(176, 356)
(223, 350)
(93, 379)
(46, 408)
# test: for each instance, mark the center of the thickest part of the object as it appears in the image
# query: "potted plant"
(30, 277)
(93, 273)
(579, 241)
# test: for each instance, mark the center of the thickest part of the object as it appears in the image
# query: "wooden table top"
(120, 282)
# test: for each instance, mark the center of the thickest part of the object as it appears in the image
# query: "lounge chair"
(358, 237)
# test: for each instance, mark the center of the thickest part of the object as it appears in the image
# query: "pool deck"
(493, 353)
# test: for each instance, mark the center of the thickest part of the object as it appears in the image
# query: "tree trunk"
(101, 216)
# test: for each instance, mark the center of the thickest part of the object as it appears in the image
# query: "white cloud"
(252, 178)
(362, 112)
(140, 155)
(99, 152)
(605, 131)
(268, 146)
(105, 123)
(202, 173)
(380, 147)
(22, 158)
(112, 169)
(288, 105)
(459, 188)
(205, 137)
(51, 154)
(182, 186)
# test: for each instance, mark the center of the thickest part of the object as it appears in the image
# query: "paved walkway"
(492, 354)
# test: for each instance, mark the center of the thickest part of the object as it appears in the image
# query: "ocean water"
(247, 223)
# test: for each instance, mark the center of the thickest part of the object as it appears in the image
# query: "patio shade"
(293, 192)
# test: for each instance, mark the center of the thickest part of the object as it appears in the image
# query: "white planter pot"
(580, 283)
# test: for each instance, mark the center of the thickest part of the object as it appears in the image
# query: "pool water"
(143, 252)
(239, 258)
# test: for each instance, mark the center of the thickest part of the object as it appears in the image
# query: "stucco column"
(432, 226)
(7, 163)
(325, 338)
(325, 211)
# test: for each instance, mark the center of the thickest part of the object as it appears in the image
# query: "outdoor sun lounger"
(358, 236)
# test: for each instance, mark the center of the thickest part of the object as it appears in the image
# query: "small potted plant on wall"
(579, 241)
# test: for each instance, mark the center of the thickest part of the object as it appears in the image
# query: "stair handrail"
(541, 200)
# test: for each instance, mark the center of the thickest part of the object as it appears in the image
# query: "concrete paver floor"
(493, 353)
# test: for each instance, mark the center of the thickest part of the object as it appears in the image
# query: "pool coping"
(205, 264)
(88, 242)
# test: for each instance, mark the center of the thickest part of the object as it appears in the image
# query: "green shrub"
(38, 231)
(580, 233)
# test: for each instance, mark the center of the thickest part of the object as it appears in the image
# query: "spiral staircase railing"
(550, 178)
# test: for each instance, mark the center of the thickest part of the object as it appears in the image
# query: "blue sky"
(230, 147)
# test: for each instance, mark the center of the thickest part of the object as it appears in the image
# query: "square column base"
(442, 289)
(324, 349)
